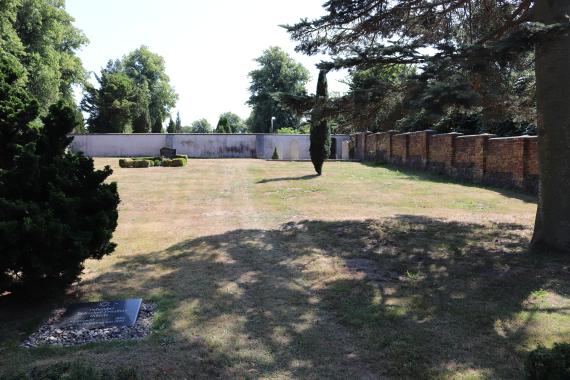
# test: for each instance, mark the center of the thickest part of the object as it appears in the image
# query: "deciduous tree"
(277, 72)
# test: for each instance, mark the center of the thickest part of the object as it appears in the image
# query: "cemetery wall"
(508, 162)
(210, 145)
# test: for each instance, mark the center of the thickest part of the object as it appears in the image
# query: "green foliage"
(178, 128)
(111, 105)
(485, 67)
(126, 163)
(287, 131)
(17, 110)
(56, 211)
(157, 126)
(549, 364)
(320, 147)
(146, 162)
(171, 126)
(201, 126)
(147, 68)
(175, 162)
(278, 72)
(182, 157)
(41, 36)
(133, 90)
(229, 122)
(141, 122)
(275, 155)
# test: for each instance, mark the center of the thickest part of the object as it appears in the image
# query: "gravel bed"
(51, 333)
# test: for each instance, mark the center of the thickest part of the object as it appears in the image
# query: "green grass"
(262, 270)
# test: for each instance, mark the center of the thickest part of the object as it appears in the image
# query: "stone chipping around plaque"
(94, 315)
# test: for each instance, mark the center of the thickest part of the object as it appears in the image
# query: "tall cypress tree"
(320, 132)
(178, 127)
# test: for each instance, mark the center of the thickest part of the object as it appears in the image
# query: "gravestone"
(168, 152)
(92, 315)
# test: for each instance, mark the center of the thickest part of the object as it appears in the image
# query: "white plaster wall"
(289, 147)
(119, 145)
(215, 145)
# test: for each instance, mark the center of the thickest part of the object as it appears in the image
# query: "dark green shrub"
(56, 211)
(275, 154)
(175, 162)
(549, 364)
(142, 163)
(126, 163)
(183, 157)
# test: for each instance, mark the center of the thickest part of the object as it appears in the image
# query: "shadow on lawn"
(406, 296)
(429, 176)
(280, 179)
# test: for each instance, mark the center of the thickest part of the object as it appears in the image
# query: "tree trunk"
(552, 228)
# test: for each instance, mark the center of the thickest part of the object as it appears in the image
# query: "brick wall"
(399, 148)
(508, 162)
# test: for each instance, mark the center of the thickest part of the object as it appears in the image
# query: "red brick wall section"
(385, 146)
(531, 157)
(504, 161)
(511, 162)
(371, 148)
(464, 152)
(441, 148)
(418, 148)
(400, 148)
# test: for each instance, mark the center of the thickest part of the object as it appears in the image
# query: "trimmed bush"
(126, 163)
(549, 364)
(183, 157)
(142, 163)
(174, 163)
(146, 162)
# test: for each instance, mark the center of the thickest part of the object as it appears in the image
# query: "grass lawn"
(262, 270)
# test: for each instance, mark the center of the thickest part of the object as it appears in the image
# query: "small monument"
(168, 152)
(93, 315)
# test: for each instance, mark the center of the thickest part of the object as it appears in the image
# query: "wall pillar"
(480, 156)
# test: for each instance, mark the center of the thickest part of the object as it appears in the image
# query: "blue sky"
(209, 46)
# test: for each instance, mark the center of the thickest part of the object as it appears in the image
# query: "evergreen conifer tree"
(56, 211)
(178, 127)
(157, 126)
(171, 126)
(320, 132)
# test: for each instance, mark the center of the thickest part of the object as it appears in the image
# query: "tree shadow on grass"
(281, 179)
(429, 176)
(407, 296)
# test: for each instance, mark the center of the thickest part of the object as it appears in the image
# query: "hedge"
(145, 162)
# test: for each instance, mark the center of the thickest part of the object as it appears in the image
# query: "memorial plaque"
(168, 152)
(93, 315)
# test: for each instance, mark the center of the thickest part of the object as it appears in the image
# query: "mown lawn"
(262, 270)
